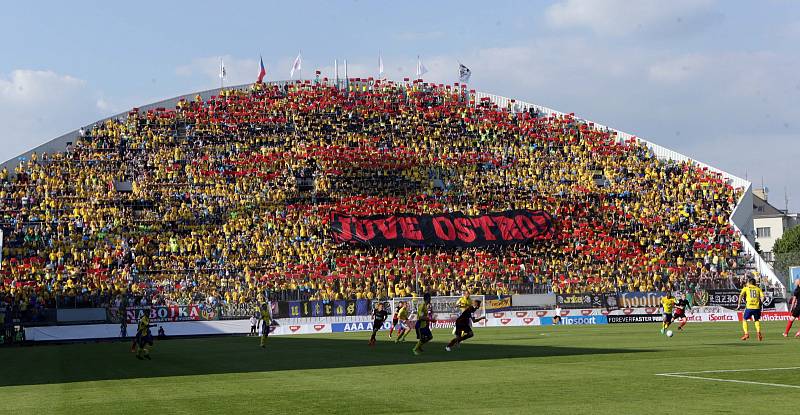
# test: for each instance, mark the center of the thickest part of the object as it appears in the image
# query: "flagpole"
(336, 69)
(346, 78)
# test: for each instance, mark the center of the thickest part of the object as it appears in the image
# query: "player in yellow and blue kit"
(402, 323)
(667, 304)
(464, 301)
(266, 323)
(144, 339)
(753, 297)
(423, 326)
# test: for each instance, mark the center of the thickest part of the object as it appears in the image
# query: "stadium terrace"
(228, 200)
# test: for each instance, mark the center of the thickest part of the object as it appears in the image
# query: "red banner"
(444, 230)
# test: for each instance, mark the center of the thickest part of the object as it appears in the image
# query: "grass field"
(565, 369)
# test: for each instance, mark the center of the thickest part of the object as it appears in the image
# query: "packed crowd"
(228, 200)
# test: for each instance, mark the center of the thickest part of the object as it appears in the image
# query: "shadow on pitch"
(208, 356)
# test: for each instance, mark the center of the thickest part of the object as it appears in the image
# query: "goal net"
(444, 309)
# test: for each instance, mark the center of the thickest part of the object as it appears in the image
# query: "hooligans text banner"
(444, 230)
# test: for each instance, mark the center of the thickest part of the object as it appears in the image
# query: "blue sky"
(716, 80)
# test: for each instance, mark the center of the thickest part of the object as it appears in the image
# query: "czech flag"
(261, 71)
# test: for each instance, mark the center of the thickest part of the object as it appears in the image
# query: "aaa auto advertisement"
(368, 325)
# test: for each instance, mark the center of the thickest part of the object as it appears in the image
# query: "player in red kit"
(794, 306)
(680, 311)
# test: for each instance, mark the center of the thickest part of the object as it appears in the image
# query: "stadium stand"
(228, 199)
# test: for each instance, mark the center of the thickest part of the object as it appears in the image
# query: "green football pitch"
(624, 369)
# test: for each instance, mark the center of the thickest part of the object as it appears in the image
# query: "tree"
(787, 252)
(789, 242)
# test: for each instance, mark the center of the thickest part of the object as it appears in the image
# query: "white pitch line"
(780, 385)
(728, 370)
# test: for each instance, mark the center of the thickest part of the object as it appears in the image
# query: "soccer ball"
(669, 333)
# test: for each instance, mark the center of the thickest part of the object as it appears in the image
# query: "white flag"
(380, 65)
(421, 69)
(463, 73)
(296, 66)
(222, 72)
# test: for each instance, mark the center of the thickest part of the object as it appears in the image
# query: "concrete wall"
(776, 226)
(742, 216)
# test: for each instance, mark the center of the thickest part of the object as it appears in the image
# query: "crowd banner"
(728, 298)
(497, 305)
(611, 301)
(640, 299)
(587, 300)
(583, 300)
(240, 311)
(449, 230)
(297, 309)
(160, 314)
(723, 298)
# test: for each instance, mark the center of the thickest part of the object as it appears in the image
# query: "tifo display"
(313, 192)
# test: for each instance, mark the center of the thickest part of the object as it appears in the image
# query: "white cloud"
(26, 87)
(678, 69)
(621, 17)
(37, 106)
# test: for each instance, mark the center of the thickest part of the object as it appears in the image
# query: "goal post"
(444, 309)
